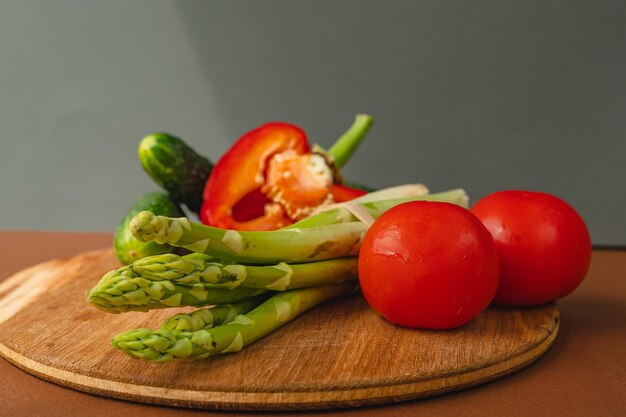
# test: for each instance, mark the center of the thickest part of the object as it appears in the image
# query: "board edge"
(274, 401)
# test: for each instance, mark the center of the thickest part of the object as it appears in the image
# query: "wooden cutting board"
(341, 354)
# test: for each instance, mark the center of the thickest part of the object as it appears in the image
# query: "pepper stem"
(348, 143)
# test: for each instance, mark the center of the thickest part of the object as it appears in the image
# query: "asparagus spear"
(124, 290)
(199, 268)
(287, 245)
(207, 318)
(327, 235)
(165, 345)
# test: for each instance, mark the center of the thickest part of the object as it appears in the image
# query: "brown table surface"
(583, 374)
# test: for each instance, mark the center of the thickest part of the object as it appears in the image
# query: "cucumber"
(127, 248)
(176, 167)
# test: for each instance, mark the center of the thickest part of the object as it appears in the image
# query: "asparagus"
(292, 245)
(203, 269)
(124, 290)
(327, 235)
(207, 318)
(165, 345)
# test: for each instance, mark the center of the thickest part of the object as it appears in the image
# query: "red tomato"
(543, 245)
(428, 264)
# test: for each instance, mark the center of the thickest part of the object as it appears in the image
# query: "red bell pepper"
(271, 178)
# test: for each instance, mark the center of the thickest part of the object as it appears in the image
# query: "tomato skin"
(543, 244)
(429, 265)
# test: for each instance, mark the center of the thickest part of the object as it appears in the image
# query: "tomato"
(428, 264)
(543, 245)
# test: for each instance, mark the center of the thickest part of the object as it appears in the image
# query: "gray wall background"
(484, 95)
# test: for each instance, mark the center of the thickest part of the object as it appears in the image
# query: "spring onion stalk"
(338, 213)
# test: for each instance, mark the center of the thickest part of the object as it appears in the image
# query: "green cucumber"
(127, 248)
(176, 167)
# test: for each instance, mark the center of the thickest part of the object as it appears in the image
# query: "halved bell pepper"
(271, 178)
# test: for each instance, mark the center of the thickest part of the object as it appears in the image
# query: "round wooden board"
(341, 354)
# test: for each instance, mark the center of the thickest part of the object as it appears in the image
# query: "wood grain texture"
(341, 354)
